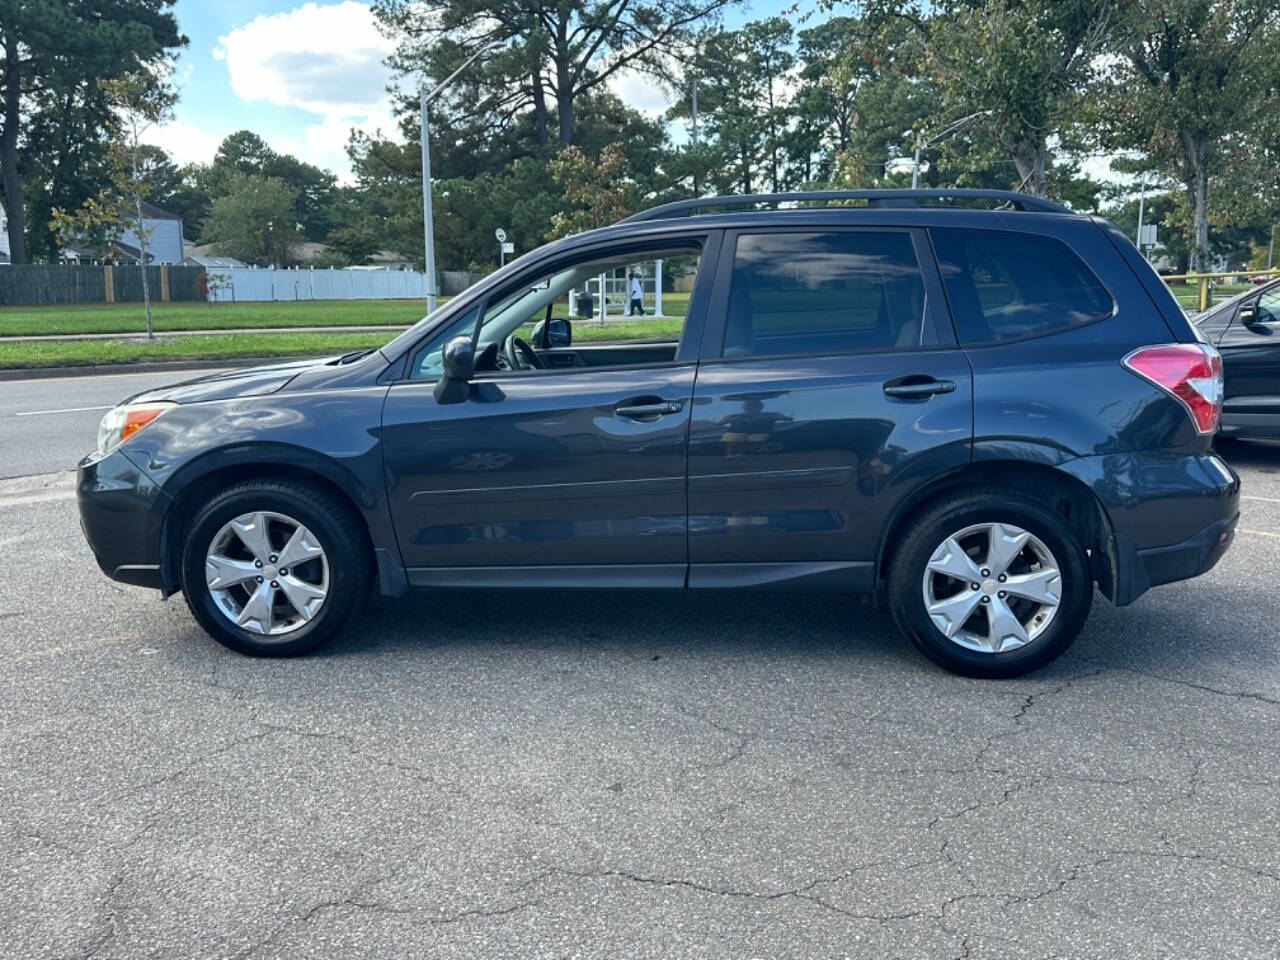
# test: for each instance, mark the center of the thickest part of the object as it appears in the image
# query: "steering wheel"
(517, 350)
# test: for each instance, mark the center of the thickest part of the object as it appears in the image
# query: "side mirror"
(1248, 314)
(459, 364)
(559, 333)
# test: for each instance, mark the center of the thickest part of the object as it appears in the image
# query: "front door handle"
(917, 387)
(647, 408)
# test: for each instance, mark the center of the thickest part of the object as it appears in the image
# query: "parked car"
(976, 415)
(1246, 332)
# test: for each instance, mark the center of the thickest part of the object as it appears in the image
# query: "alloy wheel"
(992, 587)
(267, 573)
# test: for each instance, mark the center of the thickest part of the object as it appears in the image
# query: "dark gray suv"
(975, 414)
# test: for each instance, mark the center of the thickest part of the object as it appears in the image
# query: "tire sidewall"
(206, 525)
(908, 599)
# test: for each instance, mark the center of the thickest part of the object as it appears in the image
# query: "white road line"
(1261, 499)
(41, 413)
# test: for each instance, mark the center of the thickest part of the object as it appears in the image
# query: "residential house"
(164, 241)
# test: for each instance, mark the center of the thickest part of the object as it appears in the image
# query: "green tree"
(137, 103)
(314, 189)
(1193, 79)
(540, 57)
(52, 55)
(593, 189)
(1022, 64)
(254, 221)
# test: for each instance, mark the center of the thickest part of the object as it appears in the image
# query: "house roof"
(203, 261)
(152, 212)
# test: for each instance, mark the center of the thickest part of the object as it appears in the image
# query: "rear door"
(830, 387)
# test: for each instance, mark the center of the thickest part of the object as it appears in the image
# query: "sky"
(302, 75)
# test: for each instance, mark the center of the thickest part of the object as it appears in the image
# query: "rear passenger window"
(1013, 286)
(796, 293)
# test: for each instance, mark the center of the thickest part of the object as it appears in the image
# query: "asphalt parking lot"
(633, 776)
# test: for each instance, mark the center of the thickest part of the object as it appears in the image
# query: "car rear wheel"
(274, 567)
(988, 583)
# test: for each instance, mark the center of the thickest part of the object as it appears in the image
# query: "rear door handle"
(918, 387)
(647, 407)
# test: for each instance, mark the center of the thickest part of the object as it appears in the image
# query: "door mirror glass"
(1248, 313)
(559, 332)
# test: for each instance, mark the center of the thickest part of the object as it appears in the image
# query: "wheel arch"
(198, 481)
(1065, 494)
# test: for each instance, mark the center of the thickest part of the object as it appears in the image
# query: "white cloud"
(640, 92)
(325, 59)
(185, 142)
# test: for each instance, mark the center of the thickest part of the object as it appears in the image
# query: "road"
(48, 425)
(631, 775)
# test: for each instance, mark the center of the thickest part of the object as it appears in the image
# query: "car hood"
(229, 384)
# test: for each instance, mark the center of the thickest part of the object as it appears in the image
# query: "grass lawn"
(130, 318)
(1189, 294)
(69, 353)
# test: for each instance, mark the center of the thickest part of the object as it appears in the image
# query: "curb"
(159, 366)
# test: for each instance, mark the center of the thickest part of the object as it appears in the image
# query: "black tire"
(954, 513)
(340, 534)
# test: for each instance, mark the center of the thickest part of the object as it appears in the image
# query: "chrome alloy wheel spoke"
(992, 587)
(267, 573)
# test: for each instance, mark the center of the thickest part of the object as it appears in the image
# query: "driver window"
(614, 311)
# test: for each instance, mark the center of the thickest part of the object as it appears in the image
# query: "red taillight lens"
(1192, 372)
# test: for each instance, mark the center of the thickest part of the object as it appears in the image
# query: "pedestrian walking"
(637, 297)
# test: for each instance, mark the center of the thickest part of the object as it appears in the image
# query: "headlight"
(124, 421)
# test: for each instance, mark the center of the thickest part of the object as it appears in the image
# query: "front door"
(572, 472)
(838, 389)
(1251, 363)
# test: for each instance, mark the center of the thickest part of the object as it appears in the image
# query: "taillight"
(1192, 372)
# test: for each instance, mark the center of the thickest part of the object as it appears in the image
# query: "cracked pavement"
(633, 775)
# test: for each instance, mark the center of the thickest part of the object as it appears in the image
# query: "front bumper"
(122, 515)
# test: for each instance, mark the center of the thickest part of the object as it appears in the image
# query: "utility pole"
(693, 96)
(428, 231)
(1142, 202)
(1271, 247)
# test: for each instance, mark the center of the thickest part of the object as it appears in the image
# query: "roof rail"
(874, 198)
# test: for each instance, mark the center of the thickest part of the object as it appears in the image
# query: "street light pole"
(1142, 203)
(941, 135)
(428, 230)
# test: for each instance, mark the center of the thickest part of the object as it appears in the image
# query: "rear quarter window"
(1005, 286)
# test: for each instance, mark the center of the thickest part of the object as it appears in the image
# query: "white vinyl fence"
(236, 284)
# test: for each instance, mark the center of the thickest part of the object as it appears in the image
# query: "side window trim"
(692, 331)
(936, 314)
(1080, 262)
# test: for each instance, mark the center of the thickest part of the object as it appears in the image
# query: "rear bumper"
(1137, 571)
(122, 515)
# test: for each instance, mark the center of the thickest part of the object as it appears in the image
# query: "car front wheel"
(990, 584)
(274, 567)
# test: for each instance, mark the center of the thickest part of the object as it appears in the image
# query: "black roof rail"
(874, 198)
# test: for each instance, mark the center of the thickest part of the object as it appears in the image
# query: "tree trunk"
(564, 82)
(1030, 164)
(142, 236)
(10, 179)
(1198, 198)
(564, 107)
(540, 107)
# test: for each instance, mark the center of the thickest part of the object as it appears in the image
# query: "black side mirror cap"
(459, 365)
(1248, 314)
